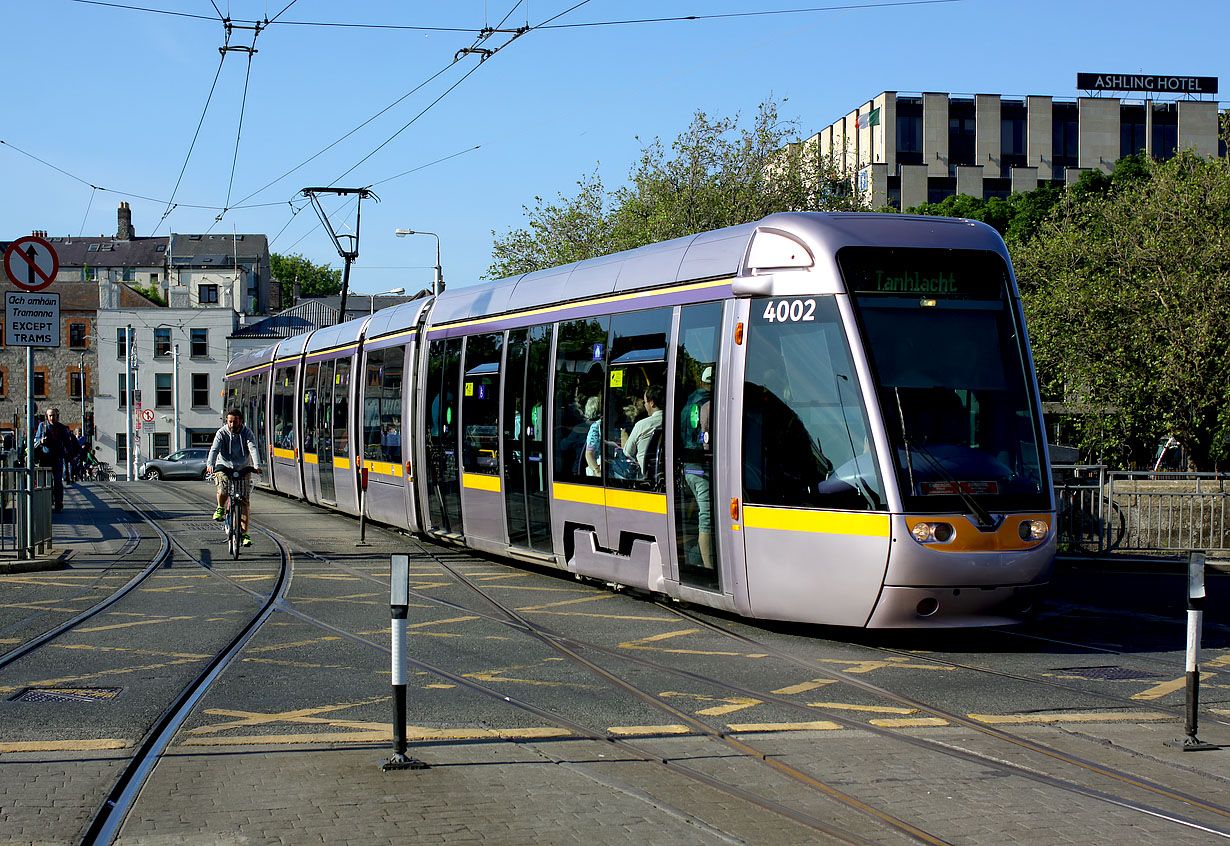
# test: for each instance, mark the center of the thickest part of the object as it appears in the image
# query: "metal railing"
(15, 500)
(1103, 511)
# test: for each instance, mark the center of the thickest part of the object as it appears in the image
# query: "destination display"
(922, 272)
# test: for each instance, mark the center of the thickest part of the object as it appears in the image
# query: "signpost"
(31, 319)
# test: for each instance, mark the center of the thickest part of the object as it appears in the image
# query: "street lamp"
(371, 298)
(437, 284)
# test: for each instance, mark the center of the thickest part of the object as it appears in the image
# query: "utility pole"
(175, 392)
(348, 255)
(130, 463)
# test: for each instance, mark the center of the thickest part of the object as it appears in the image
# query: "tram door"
(527, 493)
(696, 441)
(441, 437)
(324, 432)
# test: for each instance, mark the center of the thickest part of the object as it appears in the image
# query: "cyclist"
(234, 447)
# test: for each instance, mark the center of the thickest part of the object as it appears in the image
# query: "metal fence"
(1103, 511)
(15, 501)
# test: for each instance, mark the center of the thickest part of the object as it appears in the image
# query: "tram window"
(580, 365)
(373, 431)
(480, 405)
(283, 408)
(637, 362)
(806, 439)
(260, 404)
(341, 405)
(309, 408)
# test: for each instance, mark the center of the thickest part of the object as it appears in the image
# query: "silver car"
(185, 464)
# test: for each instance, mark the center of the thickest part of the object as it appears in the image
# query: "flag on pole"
(871, 118)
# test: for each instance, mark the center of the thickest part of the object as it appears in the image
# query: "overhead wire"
(171, 201)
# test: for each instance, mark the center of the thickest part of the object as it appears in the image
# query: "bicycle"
(230, 517)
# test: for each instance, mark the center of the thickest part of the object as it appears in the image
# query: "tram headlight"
(933, 532)
(1034, 530)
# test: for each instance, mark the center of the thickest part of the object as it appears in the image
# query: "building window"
(162, 342)
(121, 447)
(74, 384)
(162, 390)
(909, 138)
(76, 334)
(1012, 147)
(40, 381)
(122, 389)
(961, 133)
(200, 389)
(200, 343)
(1065, 137)
(208, 293)
(153, 277)
(4, 381)
(129, 275)
(120, 337)
(162, 443)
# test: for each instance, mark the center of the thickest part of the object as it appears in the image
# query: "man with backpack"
(53, 446)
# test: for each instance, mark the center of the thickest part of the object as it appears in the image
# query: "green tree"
(715, 174)
(1126, 289)
(315, 280)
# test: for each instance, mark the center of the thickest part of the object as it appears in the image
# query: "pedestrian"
(53, 446)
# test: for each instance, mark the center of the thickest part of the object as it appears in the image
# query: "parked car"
(185, 464)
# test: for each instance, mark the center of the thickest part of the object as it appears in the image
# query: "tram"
(817, 417)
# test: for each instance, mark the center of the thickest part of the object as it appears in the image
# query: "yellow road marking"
(909, 722)
(136, 623)
(869, 666)
(442, 622)
(1219, 661)
(642, 644)
(300, 715)
(624, 731)
(804, 687)
(735, 703)
(64, 745)
(1163, 688)
(818, 725)
(280, 646)
(383, 734)
(105, 674)
(875, 709)
(1074, 717)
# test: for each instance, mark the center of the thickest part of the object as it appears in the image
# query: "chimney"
(124, 230)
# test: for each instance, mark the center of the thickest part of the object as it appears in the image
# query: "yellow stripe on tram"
(817, 522)
(384, 468)
(650, 503)
(341, 463)
(309, 458)
(278, 452)
(480, 482)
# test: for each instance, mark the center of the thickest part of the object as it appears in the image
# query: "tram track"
(125, 788)
(573, 647)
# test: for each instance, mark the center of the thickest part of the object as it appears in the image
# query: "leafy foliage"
(315, 280)
(715, 174)
(1126, 289)
(151, 292)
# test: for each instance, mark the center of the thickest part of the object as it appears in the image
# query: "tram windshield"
(952, 375)
(806, 439)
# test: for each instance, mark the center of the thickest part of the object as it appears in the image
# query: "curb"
(34, 565)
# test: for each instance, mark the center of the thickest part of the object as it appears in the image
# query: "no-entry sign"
(31, 263)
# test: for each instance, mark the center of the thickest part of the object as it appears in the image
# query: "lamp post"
(437, 284)
(371, 298)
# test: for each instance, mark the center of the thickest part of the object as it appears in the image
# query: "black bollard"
(399, 605)
(1195, 620)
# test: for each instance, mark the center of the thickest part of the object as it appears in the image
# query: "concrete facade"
(1092, 133)
(181, 383)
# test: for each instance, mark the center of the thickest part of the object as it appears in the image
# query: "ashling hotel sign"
(1146, 82)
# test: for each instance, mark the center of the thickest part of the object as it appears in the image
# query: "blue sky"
(100, 95)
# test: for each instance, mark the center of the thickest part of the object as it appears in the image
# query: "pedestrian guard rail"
(1102, 511)
(15, 502)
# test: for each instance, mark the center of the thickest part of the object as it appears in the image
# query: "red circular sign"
(31, 263)
(148, 415)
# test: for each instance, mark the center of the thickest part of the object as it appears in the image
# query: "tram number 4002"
(789, 311)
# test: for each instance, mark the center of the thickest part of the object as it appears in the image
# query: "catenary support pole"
(1195, 619)
(399, 605)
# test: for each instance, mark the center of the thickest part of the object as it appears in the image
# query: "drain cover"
(67, 694)
(1111, 673)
